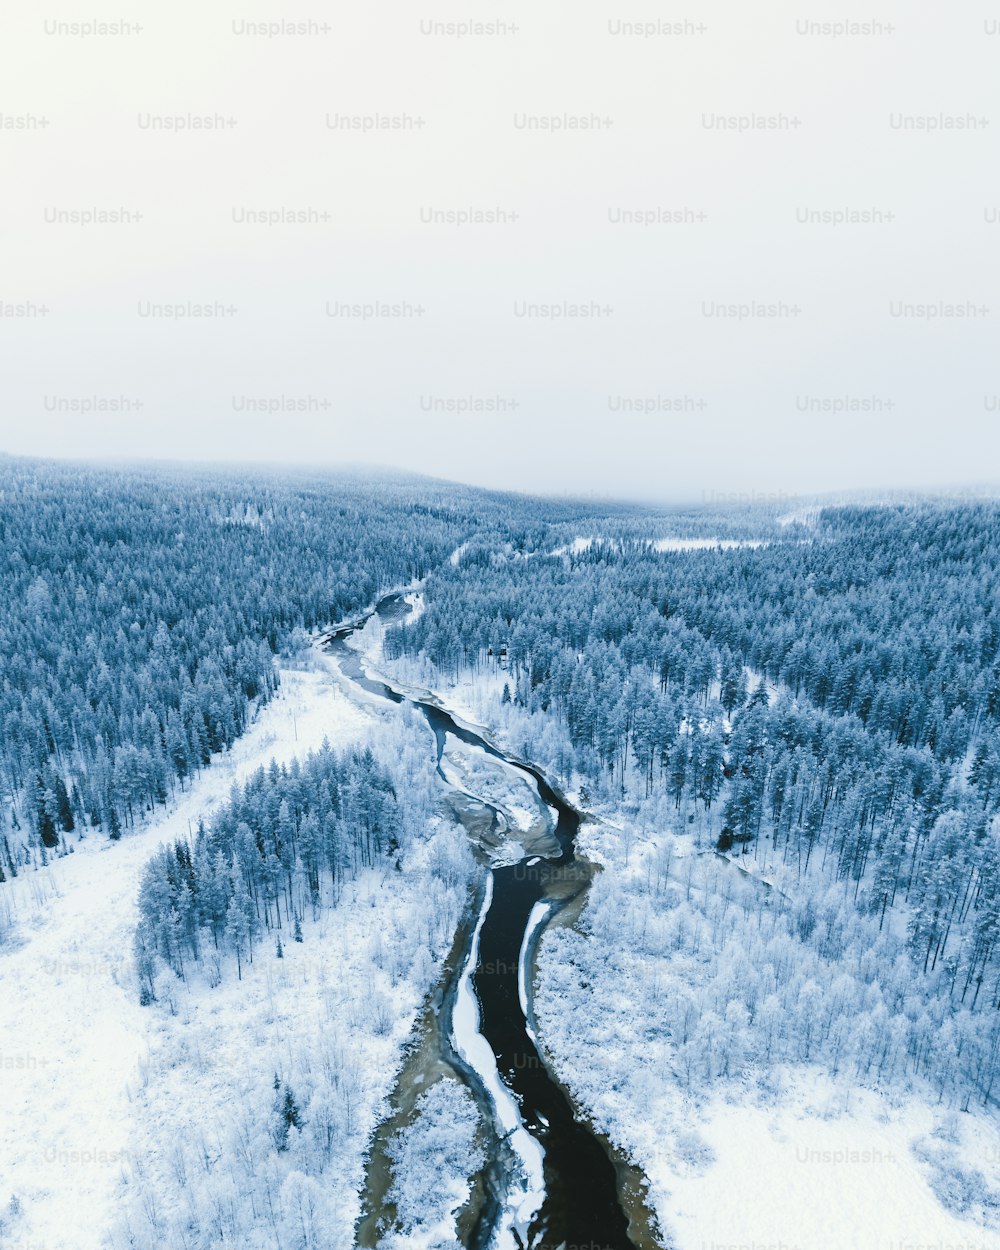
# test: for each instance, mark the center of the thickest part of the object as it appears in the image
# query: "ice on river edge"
(525, 1199)
(537, 918)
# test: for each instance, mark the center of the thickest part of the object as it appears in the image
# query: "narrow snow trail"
(73, 1038)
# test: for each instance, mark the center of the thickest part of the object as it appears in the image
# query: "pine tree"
(287, 1114)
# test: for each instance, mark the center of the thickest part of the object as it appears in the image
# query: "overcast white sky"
(654, 393)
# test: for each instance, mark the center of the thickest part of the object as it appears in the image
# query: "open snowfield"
(706, 544)
(74, 1043)
(582, 544)
(817, 1169)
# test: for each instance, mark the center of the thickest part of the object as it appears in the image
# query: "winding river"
(551, 1182)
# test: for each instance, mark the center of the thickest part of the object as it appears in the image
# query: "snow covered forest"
(782, 735)
(141, 614)
(142, 611)
(827, 707)
(285, 834)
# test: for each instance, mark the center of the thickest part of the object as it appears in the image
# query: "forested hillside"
(140, 611)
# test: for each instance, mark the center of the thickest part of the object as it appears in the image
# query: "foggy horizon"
(753, 254)
(970, 490)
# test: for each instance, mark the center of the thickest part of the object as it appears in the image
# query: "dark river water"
(580, 1209)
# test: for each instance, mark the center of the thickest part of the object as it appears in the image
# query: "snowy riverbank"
(782, 1154)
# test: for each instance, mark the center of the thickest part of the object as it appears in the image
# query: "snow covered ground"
(475, 697)
(73, 1039)
(494, 781)
(787, 1159)
(783, 1157)
(817, 1168)
(705, 544)
(581, 544)
(802, 516)
(114, 1110)
(525, 819)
